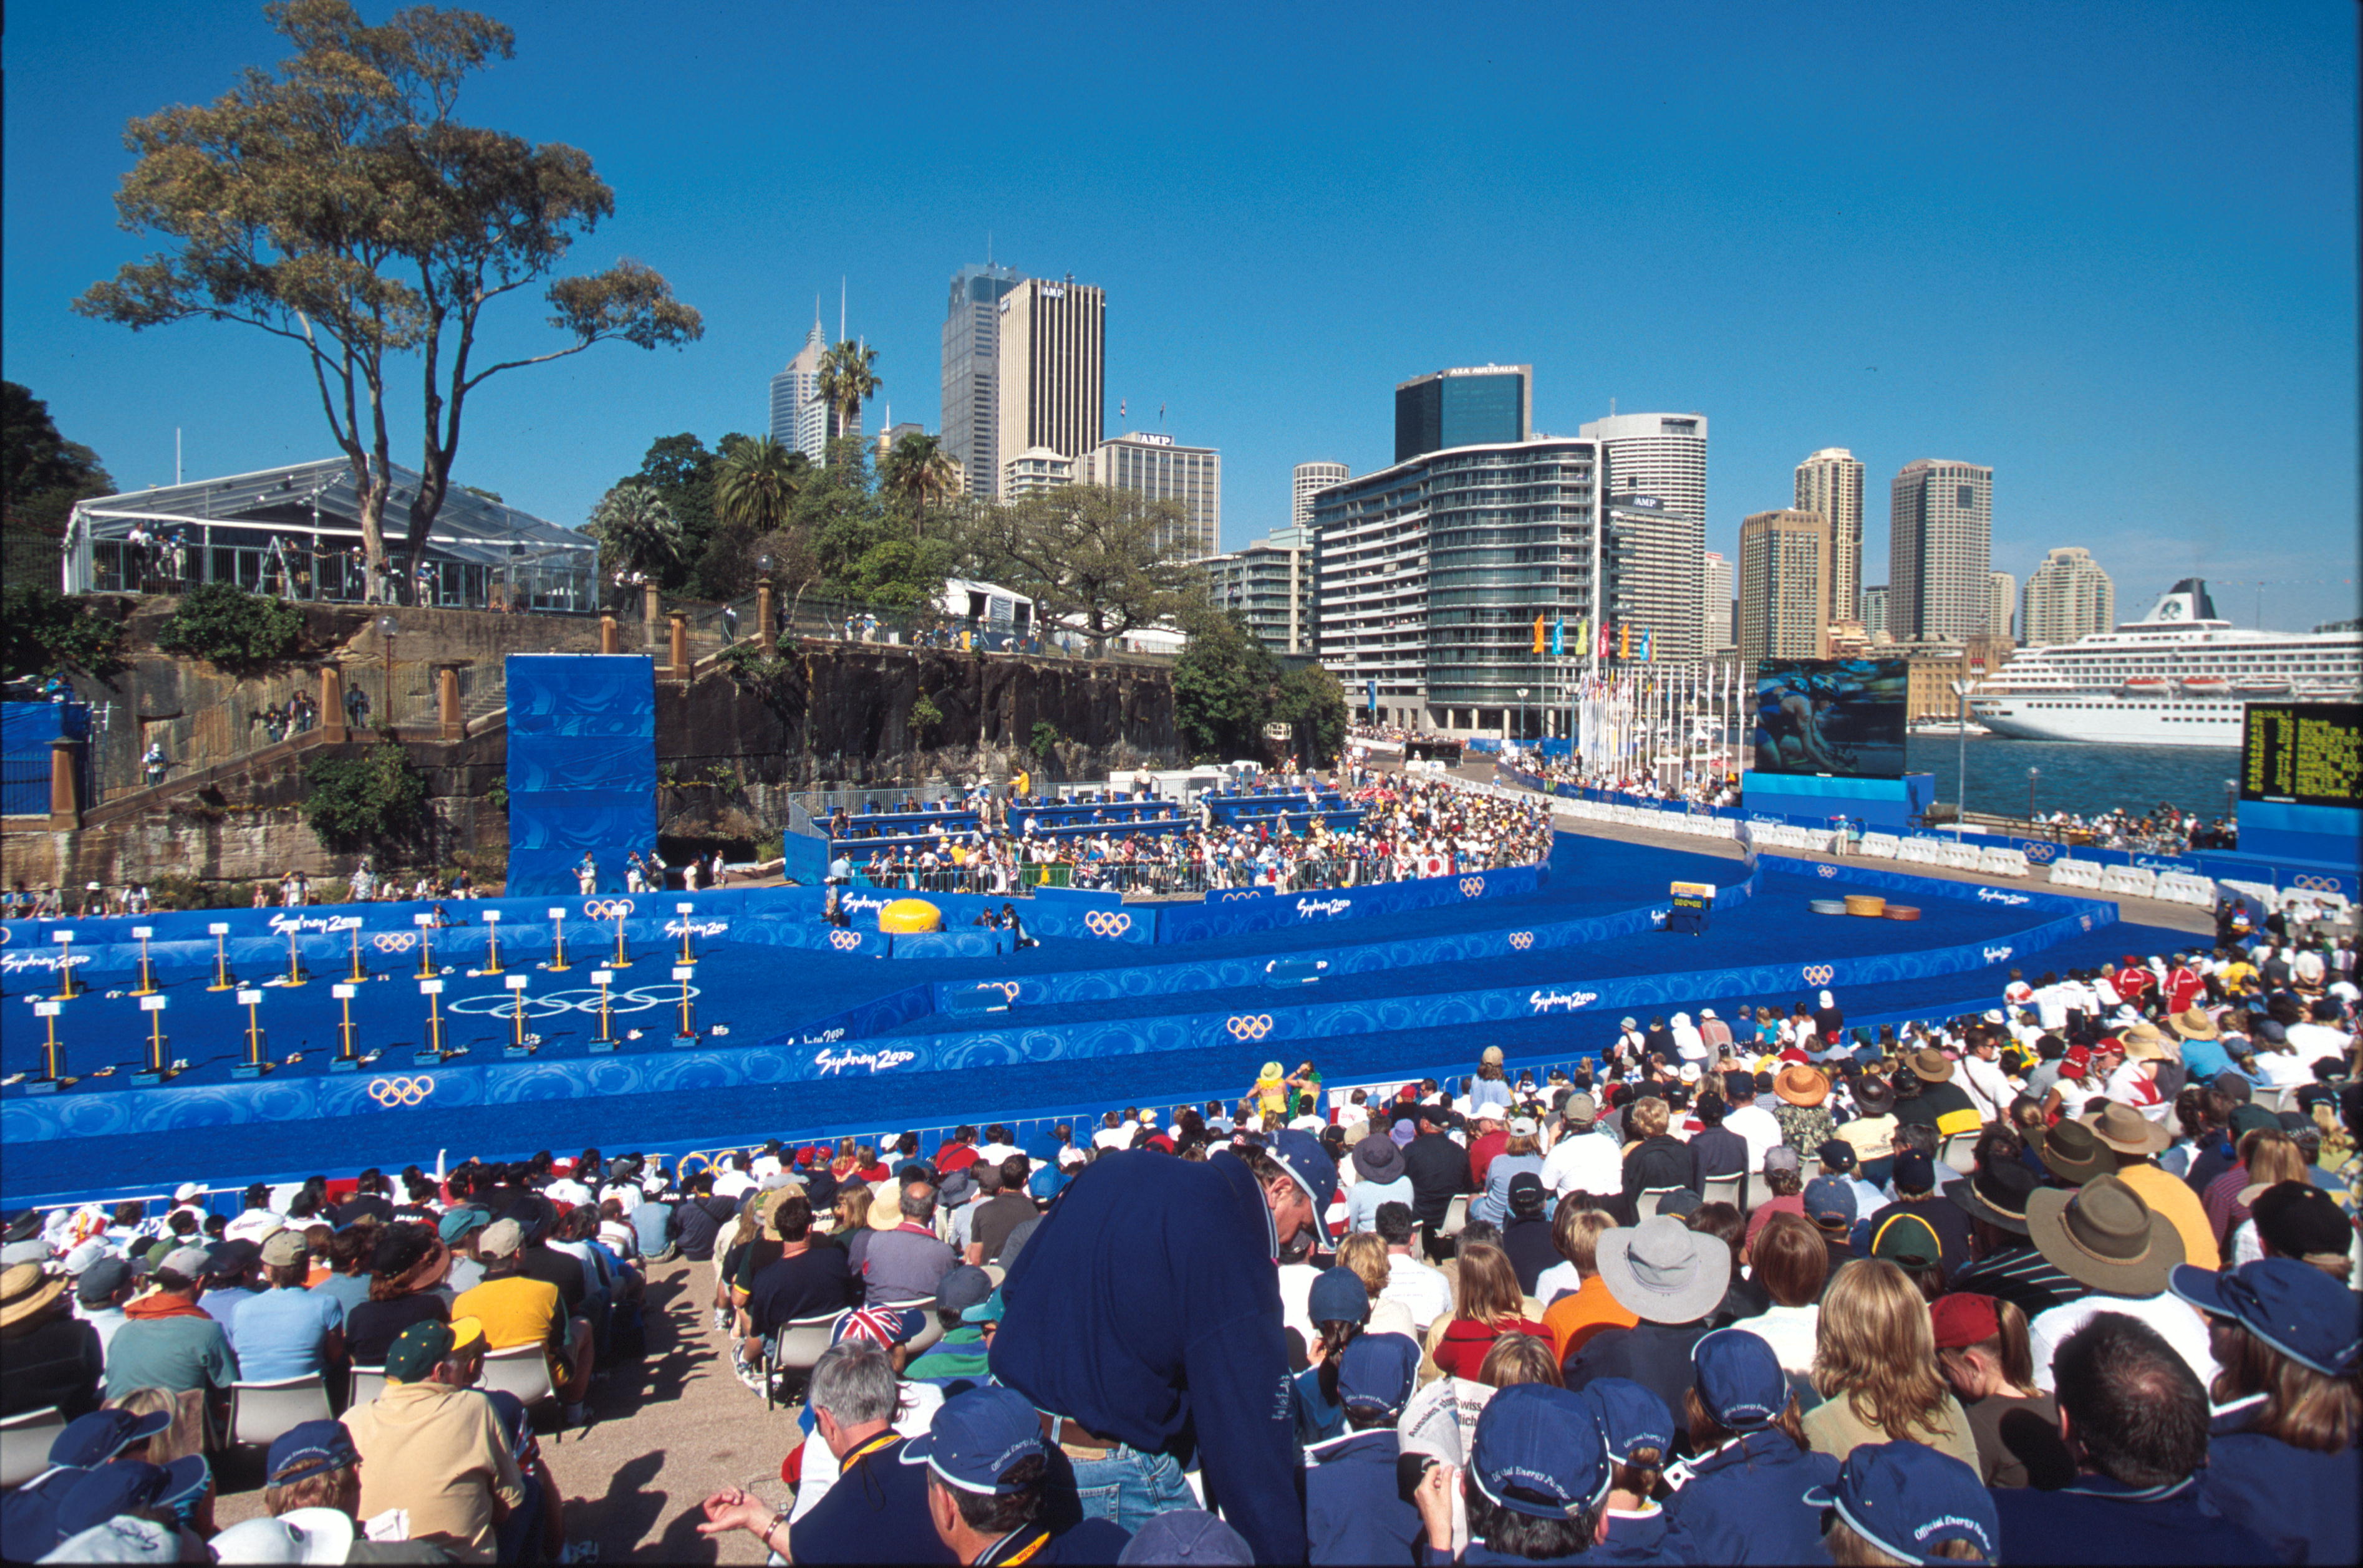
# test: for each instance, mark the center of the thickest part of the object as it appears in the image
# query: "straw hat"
(2104, 1236)
(2194, 1024)
(1929, 1064)
(2143, 1042)
(1802, 1085)
(2127, 1130)
(26, 1291)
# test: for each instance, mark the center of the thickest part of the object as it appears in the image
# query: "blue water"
(2086, 780)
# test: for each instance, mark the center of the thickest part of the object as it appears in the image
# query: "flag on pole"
(1558, 638)
(1539, 634)
(1647, 634)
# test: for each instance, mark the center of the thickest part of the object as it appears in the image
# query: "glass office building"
(1474, 406)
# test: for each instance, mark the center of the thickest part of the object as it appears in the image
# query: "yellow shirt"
(515, 1311)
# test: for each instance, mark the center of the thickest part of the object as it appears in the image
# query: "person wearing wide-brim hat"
(2102, 1236)
(2203, 1054)
(2074, 1153)
(1799, 1093)
(1942, 1103)
(2282, 1455)
(1379, 1176)
(1671, 1277)
(53, 1357)
(2134, 1141)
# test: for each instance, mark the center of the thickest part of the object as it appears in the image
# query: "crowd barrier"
(2077, 874)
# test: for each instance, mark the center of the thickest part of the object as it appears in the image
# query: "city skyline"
(1811, 288)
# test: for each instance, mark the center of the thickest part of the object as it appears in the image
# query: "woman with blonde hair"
(1486, 1305)
(2282, 1454)
(1875, 1367)
(1519, 1358)
(2271, 1161)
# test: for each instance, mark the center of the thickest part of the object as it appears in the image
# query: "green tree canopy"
(48, 633)
(1084, 550)
(338, 203)
(42, 474)
(235, 629)
(848, 378)
(917, 474)
(1228, 686)
(374, 801)
(636, 530)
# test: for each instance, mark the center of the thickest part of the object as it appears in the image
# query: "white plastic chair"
(1960, 1150)
(931, 1331)
(261, 1413)
(522, 1370)
(1645, 1205)
(1731, 1189)
(369, 1382)
(25, 1441)
(1456, 1215)
(2278, 1098)
(795, 1347)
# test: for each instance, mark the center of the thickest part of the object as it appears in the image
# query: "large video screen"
(1842, 718)
(2307, 753)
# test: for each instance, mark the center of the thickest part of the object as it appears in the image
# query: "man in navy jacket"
(1142, 1319)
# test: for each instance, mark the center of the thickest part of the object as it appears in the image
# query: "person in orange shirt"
(2135, 1141)
(1574, 1317)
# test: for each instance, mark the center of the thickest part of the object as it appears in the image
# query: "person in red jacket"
(2132, 981)
(2183, 985)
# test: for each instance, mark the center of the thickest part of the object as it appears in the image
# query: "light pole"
(1522, 712)
(386, 626)
(2032, 775)
(1961, 689)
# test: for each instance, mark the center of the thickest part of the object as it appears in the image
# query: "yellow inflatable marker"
(908, 917)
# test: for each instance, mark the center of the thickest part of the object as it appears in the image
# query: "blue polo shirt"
(877, 1512)
(2095, 1519)
(2301, 1502)
(278, 1332)
(1746, 1501)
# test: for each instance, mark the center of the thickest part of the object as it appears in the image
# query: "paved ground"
(665, 1435)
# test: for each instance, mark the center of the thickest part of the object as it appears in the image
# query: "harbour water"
(2086, 780)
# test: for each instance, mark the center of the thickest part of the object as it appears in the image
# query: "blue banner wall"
(581, 766)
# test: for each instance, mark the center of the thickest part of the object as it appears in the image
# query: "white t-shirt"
(1423, 1292)
(2175, 1321)
(1756, 1124)
(1584, 1162)
(2316, 1043)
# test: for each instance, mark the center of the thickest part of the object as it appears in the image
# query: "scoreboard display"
(2306, 753)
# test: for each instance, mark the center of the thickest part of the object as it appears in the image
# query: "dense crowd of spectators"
(1697, 786)
(2164, 829)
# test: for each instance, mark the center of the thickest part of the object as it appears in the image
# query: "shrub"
(50, 633)
(235, 629)
(365, 801)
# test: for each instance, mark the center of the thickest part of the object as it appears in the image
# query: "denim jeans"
(1130, 1487)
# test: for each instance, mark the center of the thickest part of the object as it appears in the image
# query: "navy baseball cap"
(963, 1285)
(1907, 1499)
(1301, 1155)
(1338, 1296)
(1376, 1372)
(91, 1440)
(1630, 1418)
(309, 1449)
(28, 1515)
(976, 1437)
(127, 1485)
(1739, 1379)
(2293, 1306)
(1186, 1535)
(1830, 1197)
(1538, 1452)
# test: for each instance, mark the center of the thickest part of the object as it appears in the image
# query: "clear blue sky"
(2109, 250)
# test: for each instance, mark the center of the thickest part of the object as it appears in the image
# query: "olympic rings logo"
(391, 1092)
(606, 909)
(1103, 923)
(844, 941)
(1522, 940)
(1249, 1028)
(1472, 886)
(395, 941)
(1826, 870)
(2313, 884)
(1008, 988)
(2042, 854)
(1819, 974)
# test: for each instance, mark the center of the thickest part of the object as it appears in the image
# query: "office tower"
(2001, 602)
(1662, 455)
(1036, 472)
(2067, 597)
(1476, 405)
(1719, 612)
(1830, 482)
(801, 419)
(891, 435)
(1874, 610)
(1308, 480)
(1940, 534)
(1154, 466)
(971, 370)
(1432, 573)
(1270, 583)
(1654, 561)
(1052, 366)
(1784, 586)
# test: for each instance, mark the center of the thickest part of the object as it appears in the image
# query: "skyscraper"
(1654, 490)
(1874, 610)
(1940, 536)
(1309, 480)
(1272, 585)
(1830, 482)
(801, 419)
(2001, 602)
(1475, 406)
(2067, 597)
(1717, 586)
(1153, 466)
(972, 427)
(1662, 455)
(1784, 586)
(1051, 358)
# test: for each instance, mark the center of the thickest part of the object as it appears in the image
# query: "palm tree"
(636, 531)
(758, 484)
(848, 378)
(920, 472)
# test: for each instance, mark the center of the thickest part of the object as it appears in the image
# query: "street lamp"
(386, 628)
(1961, 689)
(1522, 712)
(2032, 775)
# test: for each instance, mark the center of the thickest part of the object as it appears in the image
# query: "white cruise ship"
(2179, 676)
